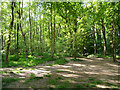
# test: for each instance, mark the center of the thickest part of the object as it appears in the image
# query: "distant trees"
(61, 28)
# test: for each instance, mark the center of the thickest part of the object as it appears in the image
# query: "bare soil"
(75, 72)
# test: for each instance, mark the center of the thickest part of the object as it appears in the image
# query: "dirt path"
(75, 72)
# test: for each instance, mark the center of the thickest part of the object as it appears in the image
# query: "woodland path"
(74, 72)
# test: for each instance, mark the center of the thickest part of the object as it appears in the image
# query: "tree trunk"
(52, 45)
(113, 44)
(20, 13)
(17, 40)
(54, 29)
(59, 30)
(49, 30)
(95, 48)
(40, 36)
(2, 42)
(104, 37)
(1, 34)
(99, 41)
(9, 39)
(75, 38)
(43, 33)
(30, 30)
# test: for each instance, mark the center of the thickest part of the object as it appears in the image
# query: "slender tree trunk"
(59, 30)
(1, 34)
(71, 40)
(17, 40)
(49, 30)
(54, 29)
(30, 30)
(23, 34)
(104, 37)
(2, 42)
(9, 38)
(99, 40)
(75, 38)
(40, 36)
(52, 45)
(43, 33)
(114, 44)
(95, 46)
(118, 44)
(15, 28)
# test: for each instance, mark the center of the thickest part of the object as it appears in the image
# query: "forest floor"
(89, 73)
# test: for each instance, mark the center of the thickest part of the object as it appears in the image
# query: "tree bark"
(104, 37)
(23, 34)
(52, 45)
(11, 27)
(40, 36)
(75, 38)
(2, 42)
(114, 44)
(17, 40)
(95, 48)
(30, 29)
(99, 40)
(43, 34)
(54, 29)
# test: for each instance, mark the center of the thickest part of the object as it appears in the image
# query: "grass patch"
(32, 77)
(91, 79)
(99, 82)
(3, 72)
(31, 61)
(6, 81)
(79, 86)
(52, 81)
(48, 75)
(61, 61)
(59, 78)
(64, 85)
(76, 60)
(59, 71)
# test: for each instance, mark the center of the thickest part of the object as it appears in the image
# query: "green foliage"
(52, 81)
(99, 82)
(32, 77)
(59, 71)
(91, 79)
(59, 78)
(65, 85)
(61, 61)
(79, 86)
(48, 75)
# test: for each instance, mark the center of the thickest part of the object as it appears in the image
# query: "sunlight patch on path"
(69, 75)
(102, 86)
(91, 73)
(112, 65)
(78, 65)
(37, 72)
(84, 59)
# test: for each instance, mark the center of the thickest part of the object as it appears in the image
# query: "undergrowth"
(31, 61)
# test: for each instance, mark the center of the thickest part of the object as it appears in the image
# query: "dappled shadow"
(98, 68)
